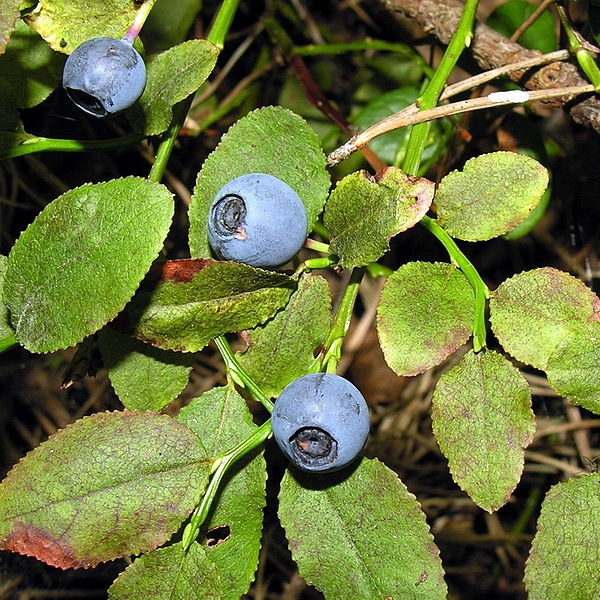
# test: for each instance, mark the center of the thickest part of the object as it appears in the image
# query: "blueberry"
(321, 422)
(104, 76)
(257, 219)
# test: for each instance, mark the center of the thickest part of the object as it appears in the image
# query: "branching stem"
(220, 467)
(138, 21)
(239, 375)
(430, 97)
(480, 289)
(341, 323)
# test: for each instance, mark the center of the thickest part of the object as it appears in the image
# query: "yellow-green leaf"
(564, 562)
(482, 421)
(493, 194)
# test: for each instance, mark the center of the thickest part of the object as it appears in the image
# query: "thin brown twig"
(491, 49)
(478, 80)
(566, 427)
(403, 119)
(316, 97)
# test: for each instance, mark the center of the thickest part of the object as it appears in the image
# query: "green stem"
(219, 112)
(316, 246)
(343, 47)
(532, 504)
(7, 343)
(222, 23)
(216, 35)
(478, 285)
(238, 374)
(582, 54)
(341, 323)
(377, 270)
(429, 99)
(220, 467)
(168, 139)
(416, 145)
(32, 145)
(315, 264)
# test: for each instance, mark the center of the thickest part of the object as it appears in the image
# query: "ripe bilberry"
(321, 422)
(257, 219)
(104, 76)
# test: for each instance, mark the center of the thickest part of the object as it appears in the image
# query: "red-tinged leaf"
(493, 194)
(425, 314)
(9, 13)
(109, 485)
(482, 420)
(564, 560)
(183, 304)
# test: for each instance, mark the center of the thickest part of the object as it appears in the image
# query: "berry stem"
(316, 246)
(341, 323)
(138, 22)
(323, 262)
(220, 467)
(238, 374)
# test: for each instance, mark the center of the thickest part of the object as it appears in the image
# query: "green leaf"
(144, 377)
(360, 535)
(364, 212)
(573, 368)
(29, 69)
(169, 573)
(482, 421)
(77, 265)
(65, 24)
(9, 13)
(426, 312)
(233, 532)
(564, 561)
(284, 348)
(109, 485)
(172, 76)
(269, 140)
(493, 194)
(185, 303)
(509, 16)
(546, 301)
(5, 328)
